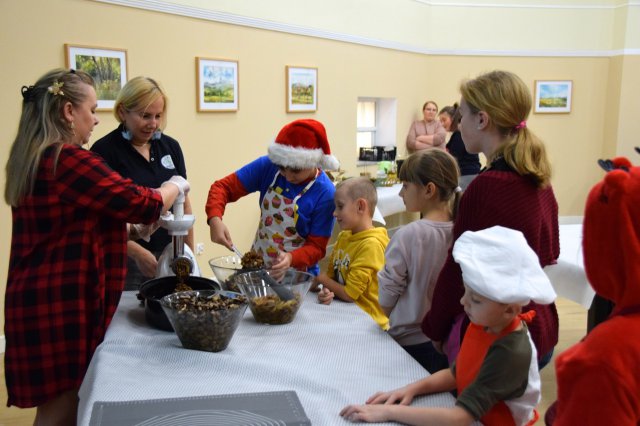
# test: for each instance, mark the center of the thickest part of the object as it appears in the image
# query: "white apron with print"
(277, 228)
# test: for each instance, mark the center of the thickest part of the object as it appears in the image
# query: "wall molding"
(230, 18)
(529, 6)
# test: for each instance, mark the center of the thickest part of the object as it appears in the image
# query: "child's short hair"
(360, 187)
(435, 166)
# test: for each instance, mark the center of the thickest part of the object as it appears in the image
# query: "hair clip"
(521, 125)
(56, 89)
(28, 93)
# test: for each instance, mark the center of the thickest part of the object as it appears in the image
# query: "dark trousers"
(428, 356)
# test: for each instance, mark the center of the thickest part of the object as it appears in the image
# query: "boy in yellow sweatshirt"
(358, 253)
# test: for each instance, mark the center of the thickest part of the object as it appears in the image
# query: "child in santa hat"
(598, 380)
(296, 198)
(496, 371)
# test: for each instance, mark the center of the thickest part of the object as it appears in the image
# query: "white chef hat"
(498, 264)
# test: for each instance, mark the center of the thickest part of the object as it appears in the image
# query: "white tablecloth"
(389, 202)
(330, 356)
(567, 276)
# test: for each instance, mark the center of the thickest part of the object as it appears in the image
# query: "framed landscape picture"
(553, 96)
(302, 89)
(107, 66)
(217, 85)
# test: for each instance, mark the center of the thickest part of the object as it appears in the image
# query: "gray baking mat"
(264, 409)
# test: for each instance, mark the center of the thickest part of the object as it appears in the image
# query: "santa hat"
(611, 235)
(303, 144)
(497, 263)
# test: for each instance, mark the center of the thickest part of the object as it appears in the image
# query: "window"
(376, 123)
(366, 123)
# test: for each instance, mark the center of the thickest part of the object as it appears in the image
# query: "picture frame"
(217, 85)
(553, 96)
(302, 89)
(107, 66)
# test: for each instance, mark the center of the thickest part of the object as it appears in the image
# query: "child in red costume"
(598, 380)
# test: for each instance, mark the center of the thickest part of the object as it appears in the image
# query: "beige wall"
(164, 46)
(496, 25)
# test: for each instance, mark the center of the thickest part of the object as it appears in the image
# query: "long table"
(330, 356)
(568, 276)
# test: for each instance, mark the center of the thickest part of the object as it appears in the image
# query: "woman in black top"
(139, 150)
(469, 163)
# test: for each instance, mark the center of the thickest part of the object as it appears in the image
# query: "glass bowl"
(266, 304)
(225, 268)
(205, 320)
(152, 291)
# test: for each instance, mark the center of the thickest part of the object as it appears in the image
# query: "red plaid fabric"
(66, 270)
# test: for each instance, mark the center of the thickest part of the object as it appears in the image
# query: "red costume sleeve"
(310, 253)
(223, 191)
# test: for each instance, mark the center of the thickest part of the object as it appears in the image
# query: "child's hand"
(325, 296)
(366, 413)
(282, 262)
(402, 396)
(315, 285)
(317, 282)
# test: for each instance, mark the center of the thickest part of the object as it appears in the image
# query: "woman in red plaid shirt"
(68, 246)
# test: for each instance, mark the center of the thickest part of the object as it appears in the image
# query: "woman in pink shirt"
(427, 133)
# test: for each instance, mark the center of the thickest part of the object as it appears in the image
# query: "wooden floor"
(573, 325)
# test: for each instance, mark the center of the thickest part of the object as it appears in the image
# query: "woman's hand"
(139, 231)
(146, 262)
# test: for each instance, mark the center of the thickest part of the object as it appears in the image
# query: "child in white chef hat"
(496, 372)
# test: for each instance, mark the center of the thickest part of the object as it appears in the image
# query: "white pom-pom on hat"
(303, 144)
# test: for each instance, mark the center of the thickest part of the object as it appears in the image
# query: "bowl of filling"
(274, 297)
(152, 291)
(225, 268)
(205, 320)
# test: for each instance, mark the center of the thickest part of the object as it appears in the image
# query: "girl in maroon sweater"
(513, 191)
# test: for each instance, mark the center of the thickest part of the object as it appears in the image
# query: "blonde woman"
(138, 149)
(514, 191)
(68, 245)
